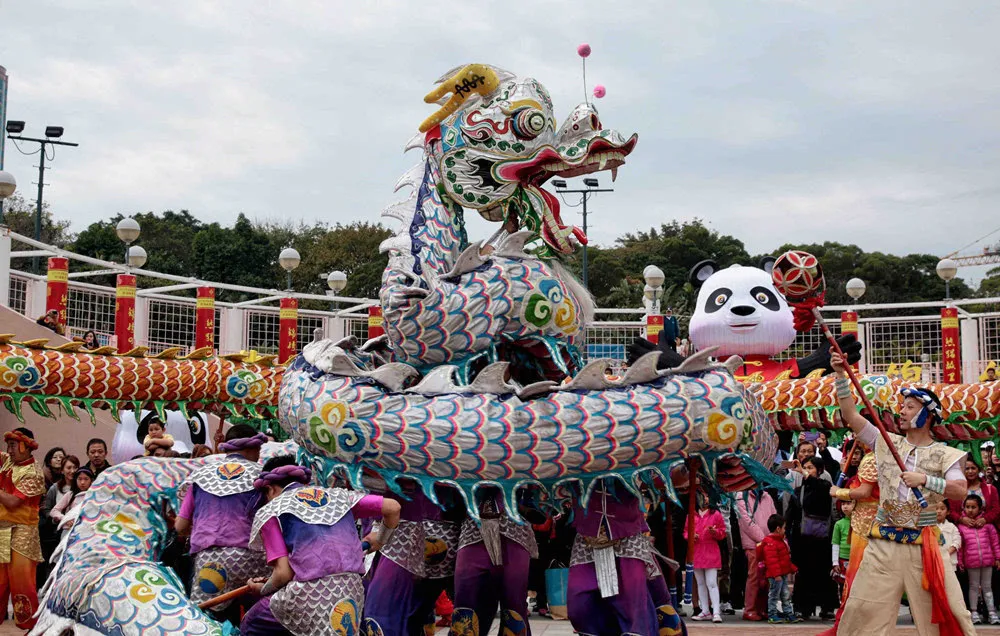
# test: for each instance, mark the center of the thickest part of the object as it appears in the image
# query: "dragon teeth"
(614, 174)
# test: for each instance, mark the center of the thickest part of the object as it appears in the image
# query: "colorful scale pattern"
(971, 411)
(471, 439)
(249, 387)
(509, 298)
(109, 578)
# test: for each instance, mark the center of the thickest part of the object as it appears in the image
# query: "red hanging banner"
(654, 325)
(849, 323)
(125, 313)
(375, 326)
(951, 352)
(57, 287)
(204, 329)
(288, 327)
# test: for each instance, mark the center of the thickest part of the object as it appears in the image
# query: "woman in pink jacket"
(709, 529)
(979, 554)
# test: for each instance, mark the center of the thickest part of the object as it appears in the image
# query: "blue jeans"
(779, 592)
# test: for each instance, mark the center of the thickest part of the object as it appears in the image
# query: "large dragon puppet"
(478, 380)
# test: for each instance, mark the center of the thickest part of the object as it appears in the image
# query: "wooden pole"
(688, 605)
(222, 598)
(867, 403)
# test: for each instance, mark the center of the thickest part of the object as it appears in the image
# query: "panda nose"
(742, 310)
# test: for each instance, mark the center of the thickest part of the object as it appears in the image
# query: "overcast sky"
(872, 122)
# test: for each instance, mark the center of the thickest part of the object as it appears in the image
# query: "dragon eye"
(528, 122)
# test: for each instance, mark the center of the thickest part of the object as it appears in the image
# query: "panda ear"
(701, 272)
(767, 263)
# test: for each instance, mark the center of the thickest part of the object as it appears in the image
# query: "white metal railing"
(899, 344)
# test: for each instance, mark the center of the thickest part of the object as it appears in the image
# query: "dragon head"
(496, 142)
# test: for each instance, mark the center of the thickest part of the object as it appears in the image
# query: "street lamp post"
(52, 134)
(8, 184)
(592, 186)
(947, 269)
(289, 259)
(855, 288)
(135, 256)
(128, 231)
(336, 281)
(653, 291)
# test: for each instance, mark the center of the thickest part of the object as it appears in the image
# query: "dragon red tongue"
(553, 204)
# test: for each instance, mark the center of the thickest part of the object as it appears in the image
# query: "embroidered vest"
(866, 509)
(933, 460)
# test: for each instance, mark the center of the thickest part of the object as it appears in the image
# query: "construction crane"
(989, 255)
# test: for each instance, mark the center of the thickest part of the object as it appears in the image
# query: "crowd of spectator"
(751, 553)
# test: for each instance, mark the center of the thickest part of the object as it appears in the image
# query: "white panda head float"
(740, 311)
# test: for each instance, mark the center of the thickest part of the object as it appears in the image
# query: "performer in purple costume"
(491, 569)
(611, 569)
(311, 541)
(217, 511)
(415, 566)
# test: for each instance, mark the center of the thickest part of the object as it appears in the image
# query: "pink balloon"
(600, 91)
(583, 50)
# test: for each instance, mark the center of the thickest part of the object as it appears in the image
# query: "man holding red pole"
(903, 554)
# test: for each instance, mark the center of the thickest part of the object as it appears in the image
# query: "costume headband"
(282, 473)
(18, 436)
(931, 406)
(243, 443)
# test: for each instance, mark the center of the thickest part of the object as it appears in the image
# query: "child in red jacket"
(774, 558)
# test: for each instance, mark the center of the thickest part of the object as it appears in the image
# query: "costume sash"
(933, 582)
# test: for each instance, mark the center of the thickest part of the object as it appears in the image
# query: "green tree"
(989, 287)
(19, 216)
(888, 278)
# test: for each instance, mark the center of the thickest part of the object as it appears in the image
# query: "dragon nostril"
(742, 310)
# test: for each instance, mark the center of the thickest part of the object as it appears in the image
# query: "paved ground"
(730, 625)
(545, 627)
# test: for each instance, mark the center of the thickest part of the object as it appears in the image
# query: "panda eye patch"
(718, 299)
(766, 298)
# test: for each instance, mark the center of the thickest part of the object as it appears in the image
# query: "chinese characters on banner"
(288, 328)
(125, 313)
(375, 327)
(57, 287)
(849, 325)
(204, 331)
(951, 356)
(654, 325)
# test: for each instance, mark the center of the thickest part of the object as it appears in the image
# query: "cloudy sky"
(873, 122)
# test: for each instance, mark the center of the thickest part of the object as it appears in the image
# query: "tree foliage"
(246, 254)
(19, 216)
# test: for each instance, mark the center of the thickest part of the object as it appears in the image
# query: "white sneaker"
(704, 616)
(975, 619)
(994, 619)
(716, 619)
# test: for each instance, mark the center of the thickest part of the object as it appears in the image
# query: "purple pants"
(480, 586)
(631, 611)
(398, 602)
(259, 621)
(669, 620)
